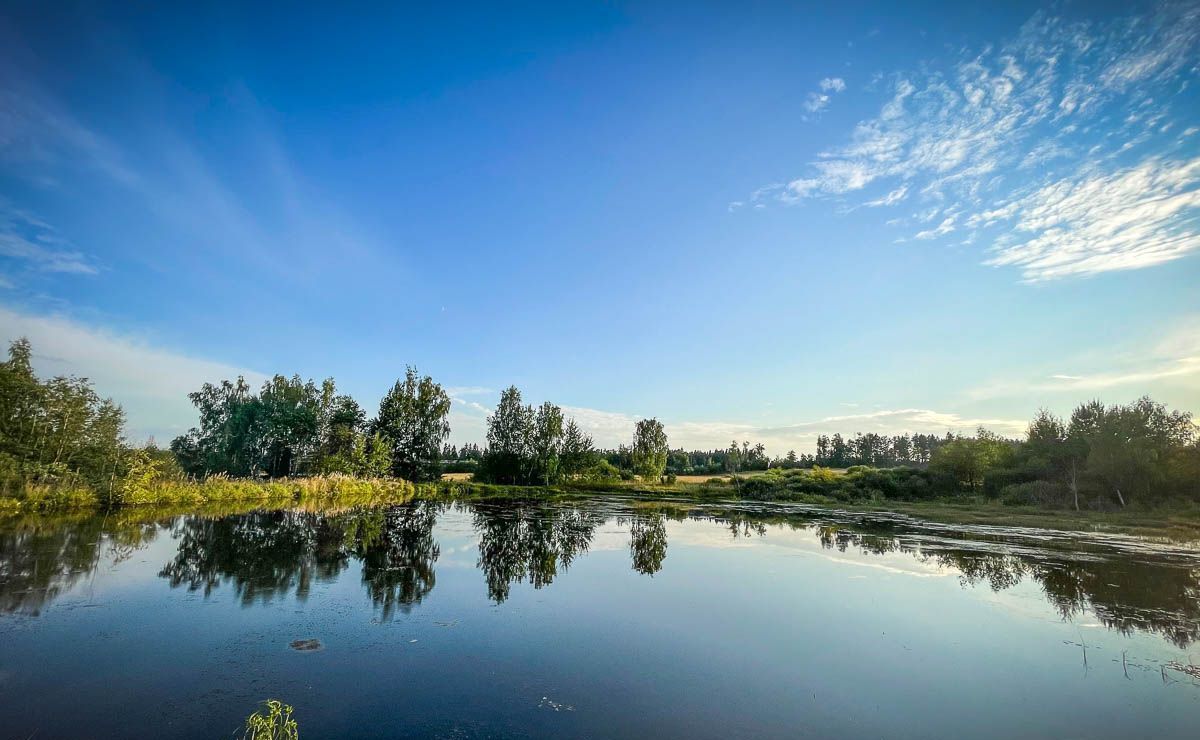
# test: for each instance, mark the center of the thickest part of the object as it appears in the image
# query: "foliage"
(272, 721)
(56, 434)
(413, 417)
(528, 447)
(649, 449)
(969, 458)
(296, 428)
(1033, 493)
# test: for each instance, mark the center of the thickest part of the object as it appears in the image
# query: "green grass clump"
(272, 721)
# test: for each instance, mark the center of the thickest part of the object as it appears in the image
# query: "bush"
(1033, 493)
(603, 470)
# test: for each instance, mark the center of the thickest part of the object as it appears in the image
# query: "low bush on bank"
(1034, 493)
(859, 483)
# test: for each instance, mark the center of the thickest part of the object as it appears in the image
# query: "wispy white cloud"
(1141, 368)
(969, 136)
(1124, 220)
(945, 227)
(149, 382)
(815, 102)
(610, 429)
(177, 188)
(890, 199)
(468, 390)
(833, 84)
(36, 246)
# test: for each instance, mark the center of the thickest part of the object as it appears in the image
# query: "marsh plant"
(272, 721)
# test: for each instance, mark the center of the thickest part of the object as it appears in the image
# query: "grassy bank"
(221, 496)
(187, 494)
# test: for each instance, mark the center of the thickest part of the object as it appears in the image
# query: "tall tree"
(649, 449)
(508, 438)
(546, 443)
(578, 451)
(413, 416)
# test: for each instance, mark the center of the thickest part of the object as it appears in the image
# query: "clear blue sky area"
(752, 220)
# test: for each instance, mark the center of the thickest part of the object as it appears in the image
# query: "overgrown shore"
(1181, 523)
(217, 496)
(337, 490)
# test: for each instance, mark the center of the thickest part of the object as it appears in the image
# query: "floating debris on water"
(305, 645)
(549, 703)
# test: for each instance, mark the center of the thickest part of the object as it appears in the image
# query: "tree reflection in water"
(648, 542)
(265, 555)
(397, 561)
(519, 540)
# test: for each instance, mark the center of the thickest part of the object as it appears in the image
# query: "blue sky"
(755, 220)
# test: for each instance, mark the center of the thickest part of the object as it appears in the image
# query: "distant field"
(456, 476)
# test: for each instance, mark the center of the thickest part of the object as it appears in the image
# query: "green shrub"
(1033, 493)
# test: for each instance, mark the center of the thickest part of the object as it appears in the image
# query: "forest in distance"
(61, 443)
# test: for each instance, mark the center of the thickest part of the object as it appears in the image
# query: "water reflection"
(648, 542)
(519, 540)
(266, 555)
(42, 559)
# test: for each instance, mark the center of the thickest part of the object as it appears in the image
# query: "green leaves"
(413, 416)
(528, 447)
(649, 449)
(56, 432)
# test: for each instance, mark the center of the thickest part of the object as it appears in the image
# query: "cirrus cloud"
(1069, 133)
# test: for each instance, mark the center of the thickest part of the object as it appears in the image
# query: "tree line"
(292, 427)
(58, 432)
(832, 451)
(1101, 457)
(528, 446)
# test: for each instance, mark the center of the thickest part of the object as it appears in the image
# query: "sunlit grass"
(318, 490)
(272, 721)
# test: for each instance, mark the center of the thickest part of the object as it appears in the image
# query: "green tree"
(509, 436)
(288, 425)
(57, 432)
(578, 451)
(1129, 447)
(413, 416)
(649, 449)
(969, 459)
(546, 443)
(1050, 452)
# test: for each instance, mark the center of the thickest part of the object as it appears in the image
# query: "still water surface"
(595, 619)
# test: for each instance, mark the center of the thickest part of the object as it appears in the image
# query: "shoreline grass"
(218, 496)
(339, 489)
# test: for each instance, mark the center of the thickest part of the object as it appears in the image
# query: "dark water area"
(602, 618)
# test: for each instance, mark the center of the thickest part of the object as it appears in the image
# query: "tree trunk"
(1075, 484)
(1119, 496)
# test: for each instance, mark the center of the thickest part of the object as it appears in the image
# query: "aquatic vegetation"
(273, 721)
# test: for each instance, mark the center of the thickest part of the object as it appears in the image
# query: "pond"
(594, 618)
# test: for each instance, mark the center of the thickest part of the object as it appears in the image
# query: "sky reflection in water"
(592, 619)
